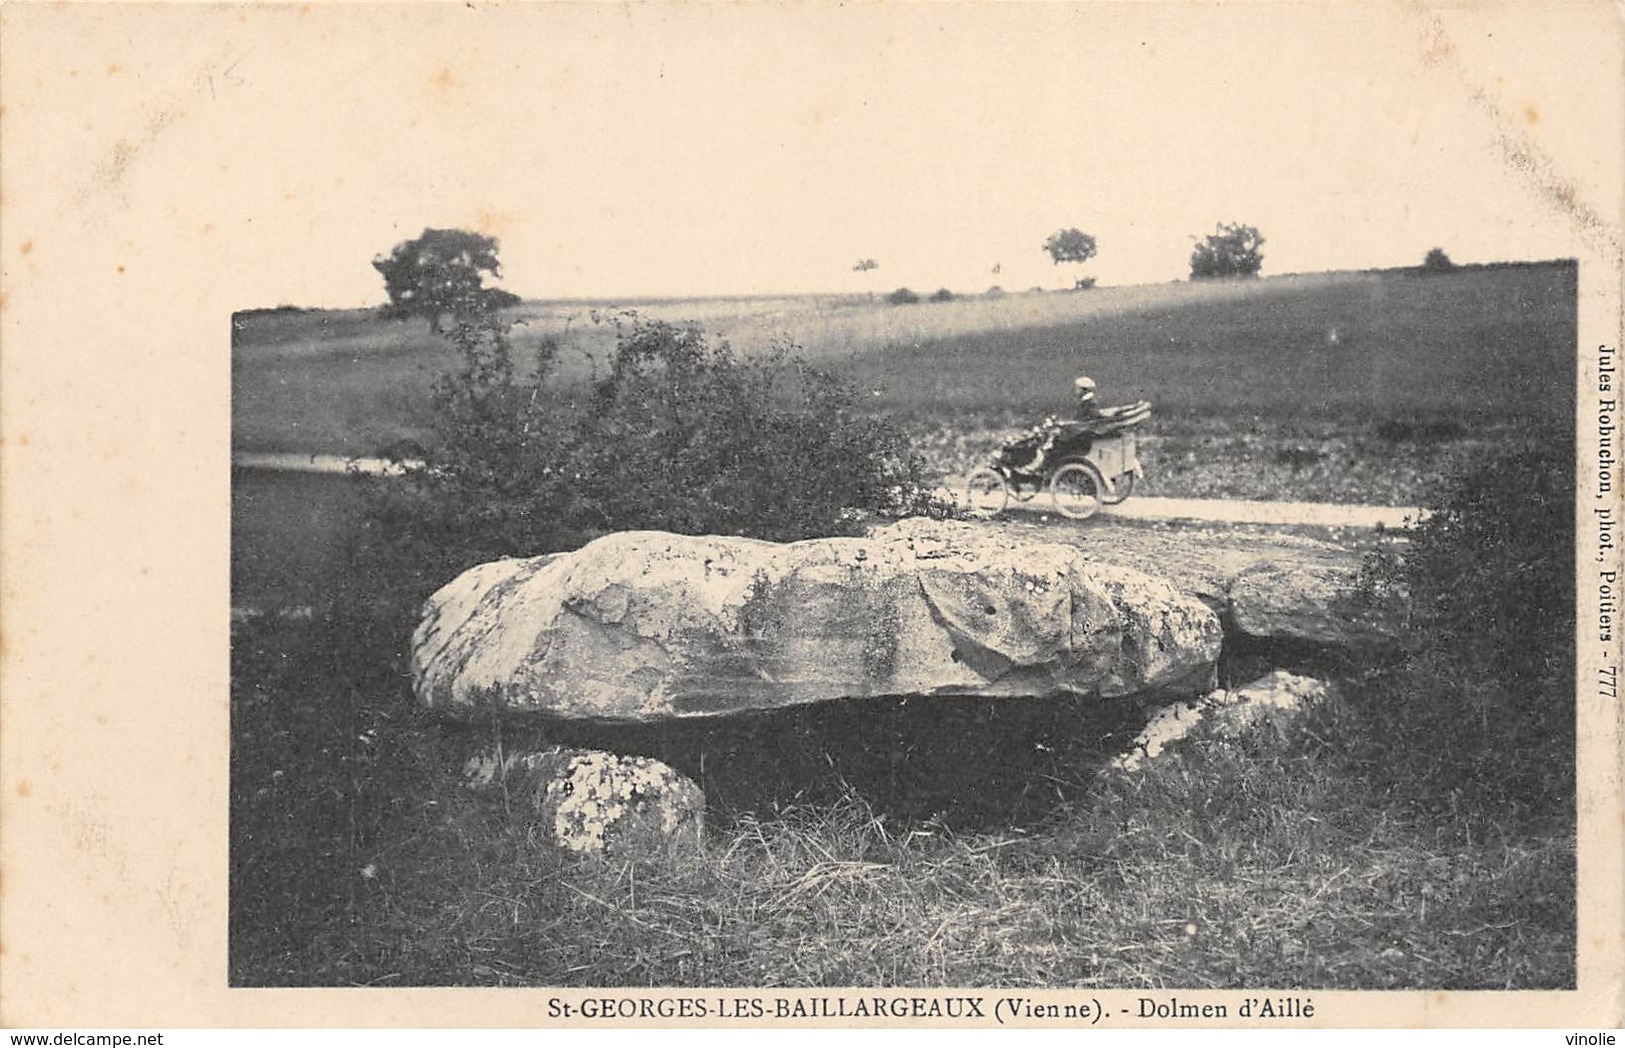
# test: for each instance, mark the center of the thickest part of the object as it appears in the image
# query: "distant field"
(1471, 346)
(1348, 386)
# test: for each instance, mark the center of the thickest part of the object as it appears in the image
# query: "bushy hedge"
(1479, 712)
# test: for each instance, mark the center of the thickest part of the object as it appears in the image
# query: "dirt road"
(1235, 511)
(1225, 511)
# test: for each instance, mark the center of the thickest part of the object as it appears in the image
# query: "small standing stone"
(1275, 697)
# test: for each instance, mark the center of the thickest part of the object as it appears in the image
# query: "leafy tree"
(1232, 250)
(866, 265)
(1071, 246)
(442, 272)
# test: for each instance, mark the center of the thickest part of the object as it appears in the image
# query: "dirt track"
(1237, 511)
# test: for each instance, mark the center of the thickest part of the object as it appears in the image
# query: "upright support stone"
(595, 803)
(1276, 698)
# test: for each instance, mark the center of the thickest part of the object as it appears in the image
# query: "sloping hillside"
(1475, 348)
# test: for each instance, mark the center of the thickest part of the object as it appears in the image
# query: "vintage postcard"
(1079, 515)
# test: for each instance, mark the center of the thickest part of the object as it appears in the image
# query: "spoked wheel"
(1122, 489)
(985, 492)
(1078, 490)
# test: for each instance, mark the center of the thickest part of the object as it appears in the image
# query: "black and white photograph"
(1045, 515)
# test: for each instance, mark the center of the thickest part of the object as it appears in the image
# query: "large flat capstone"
(650, 625)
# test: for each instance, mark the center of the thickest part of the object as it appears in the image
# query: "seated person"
(1084, 388)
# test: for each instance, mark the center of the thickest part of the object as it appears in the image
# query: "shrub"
(995, 292)
(1231, 250)
(1083, 283)
(684, 436)
(1437, 262)
(902, 297)
(677, 434)
(942, 294)
(1479, 712)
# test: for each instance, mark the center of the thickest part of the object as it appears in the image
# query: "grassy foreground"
(1295, 859)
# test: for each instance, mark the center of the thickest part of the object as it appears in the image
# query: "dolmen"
(645, 627)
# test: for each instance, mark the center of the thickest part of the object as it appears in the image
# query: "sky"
(641, 150)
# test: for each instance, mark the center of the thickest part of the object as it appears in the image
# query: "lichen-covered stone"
(591, 802)
(1226, 713)
(649, 625)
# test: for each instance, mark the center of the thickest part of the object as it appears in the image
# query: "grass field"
(1340, 387)
(354, 381)
(1351, 350)
(1331, 356)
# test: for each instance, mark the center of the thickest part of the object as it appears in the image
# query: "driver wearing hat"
(1084, 387)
